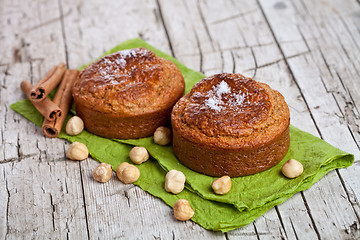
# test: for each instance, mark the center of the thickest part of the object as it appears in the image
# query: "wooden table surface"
(308, 50)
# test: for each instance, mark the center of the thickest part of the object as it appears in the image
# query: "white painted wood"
(41, 193)
(4, 197)
(115, 210)
(272, 71)
(245, 60)
(42, 200)
(327, 95)
(92, 29)
(308, 50)
(184, 36)
(294, 213)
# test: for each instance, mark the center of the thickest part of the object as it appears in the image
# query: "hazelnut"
(174, 181)
(221, 185)
(182, 210)
(292, 168)
(77, 151)
(74, 126)
(138, 155)
(102, 173)
(162, 136)
(127, 173)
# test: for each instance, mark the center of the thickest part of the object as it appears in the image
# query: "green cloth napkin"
(250, 196)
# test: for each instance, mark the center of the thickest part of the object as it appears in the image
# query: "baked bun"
(127, 94)
(231, 125)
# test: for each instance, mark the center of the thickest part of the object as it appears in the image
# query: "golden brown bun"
(127, 94)
(230, 125)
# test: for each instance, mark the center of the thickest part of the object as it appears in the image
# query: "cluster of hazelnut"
(77, 150)
(174, 180)
(126, 172)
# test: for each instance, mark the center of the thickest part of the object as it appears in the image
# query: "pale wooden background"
(308, 50)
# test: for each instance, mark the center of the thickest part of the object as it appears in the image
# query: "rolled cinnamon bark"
(62, 98)
(46, 107)
(48, 83)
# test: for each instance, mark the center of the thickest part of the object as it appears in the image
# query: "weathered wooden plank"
(41, 200)
(273, 71)
(337, 56)
(4, 198)
(115, 210)
(245, 59)
(316, 38)
(42, 193)
(323, 109)
(325, 94)
(294, 55)
(182, 39)
(37, 190)
(103, 26)
(294, 214)
(9, 139)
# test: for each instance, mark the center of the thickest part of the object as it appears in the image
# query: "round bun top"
(129, 82)
(230, 110)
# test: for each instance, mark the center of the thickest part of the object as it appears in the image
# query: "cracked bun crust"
(127, 94)
(231, 125)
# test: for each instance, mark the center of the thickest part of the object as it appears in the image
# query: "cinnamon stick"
(46, 107)
(63, 99)
(48, 83)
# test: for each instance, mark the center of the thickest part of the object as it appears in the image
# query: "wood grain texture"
(308, 50)
(115, 210)
(41, 192)
(327, 96)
